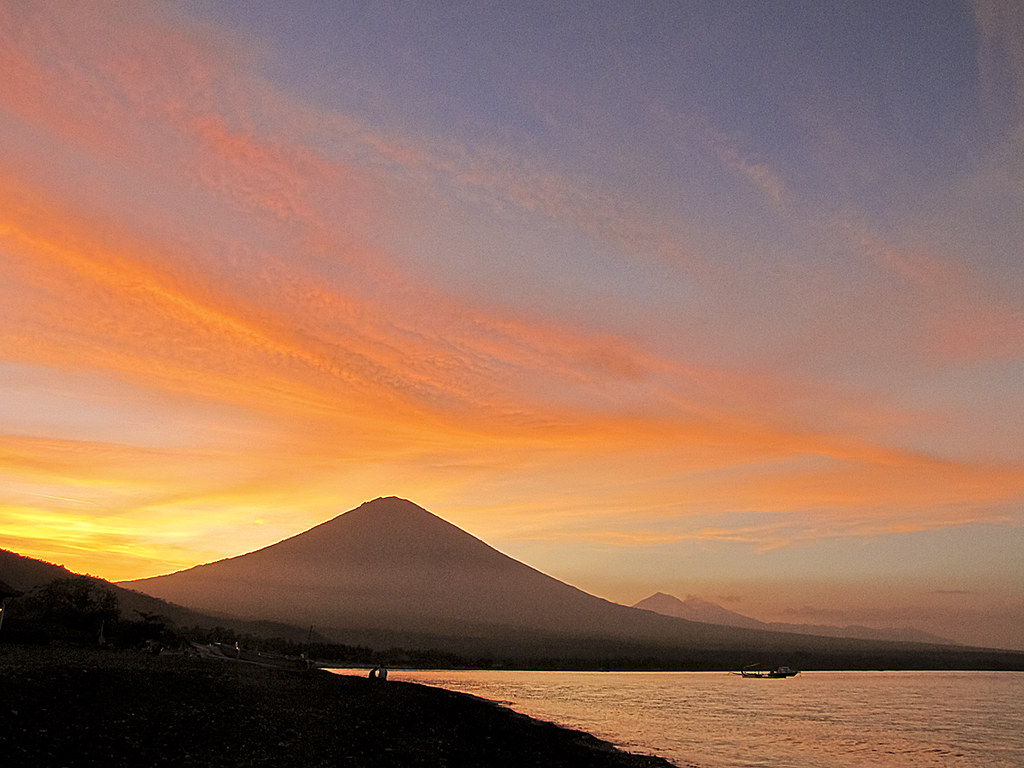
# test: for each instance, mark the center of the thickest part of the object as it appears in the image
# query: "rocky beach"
(75, 707)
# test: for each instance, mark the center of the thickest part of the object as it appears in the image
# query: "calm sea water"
(815, 720)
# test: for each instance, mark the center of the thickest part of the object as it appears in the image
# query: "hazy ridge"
(697, 609)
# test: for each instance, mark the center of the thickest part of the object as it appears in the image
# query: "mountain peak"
(389, 507)
(694, 608)
(388, 503)
(387, 565)
(383, 528)
(389, 513)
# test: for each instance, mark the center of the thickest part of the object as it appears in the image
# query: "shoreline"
(82, 707)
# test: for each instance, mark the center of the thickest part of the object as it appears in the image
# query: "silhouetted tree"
(79, 604)
(150, 630)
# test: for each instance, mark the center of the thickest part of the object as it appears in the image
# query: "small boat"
(774, 674)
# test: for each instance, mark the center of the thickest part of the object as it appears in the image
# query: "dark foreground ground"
(61, 707)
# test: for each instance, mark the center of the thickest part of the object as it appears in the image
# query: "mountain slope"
(23, 573)
(391, 566)
(389, 572)
(696, 609)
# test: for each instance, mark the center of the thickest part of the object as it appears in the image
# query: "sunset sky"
(710, 298)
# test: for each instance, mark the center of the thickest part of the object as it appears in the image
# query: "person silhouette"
(382, 672)
(373, 673)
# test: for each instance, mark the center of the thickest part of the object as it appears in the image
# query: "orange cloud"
(962, 317)
(201, 253)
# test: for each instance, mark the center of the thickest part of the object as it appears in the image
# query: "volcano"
(390, 573)
(389, 570)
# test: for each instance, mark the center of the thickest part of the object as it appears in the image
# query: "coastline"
(79, 707)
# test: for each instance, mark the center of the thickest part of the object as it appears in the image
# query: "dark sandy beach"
(69, 707)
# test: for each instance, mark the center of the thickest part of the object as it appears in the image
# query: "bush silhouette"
(78, 605)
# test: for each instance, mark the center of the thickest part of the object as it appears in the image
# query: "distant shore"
(74, 707)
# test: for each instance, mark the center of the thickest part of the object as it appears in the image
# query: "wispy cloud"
(176, 227)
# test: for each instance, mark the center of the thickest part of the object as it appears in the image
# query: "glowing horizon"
(253, 274)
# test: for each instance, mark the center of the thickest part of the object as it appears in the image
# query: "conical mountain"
(390, 568)
(390, 573)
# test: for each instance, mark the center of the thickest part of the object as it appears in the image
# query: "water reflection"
(816, 720)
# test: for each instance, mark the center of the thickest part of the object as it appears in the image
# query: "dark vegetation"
(82, 611)
(79, 611)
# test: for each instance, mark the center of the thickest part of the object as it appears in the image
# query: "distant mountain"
(391, 573)
(696, 609)
(25, 573)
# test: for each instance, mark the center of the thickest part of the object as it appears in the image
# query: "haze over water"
(816, 720)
